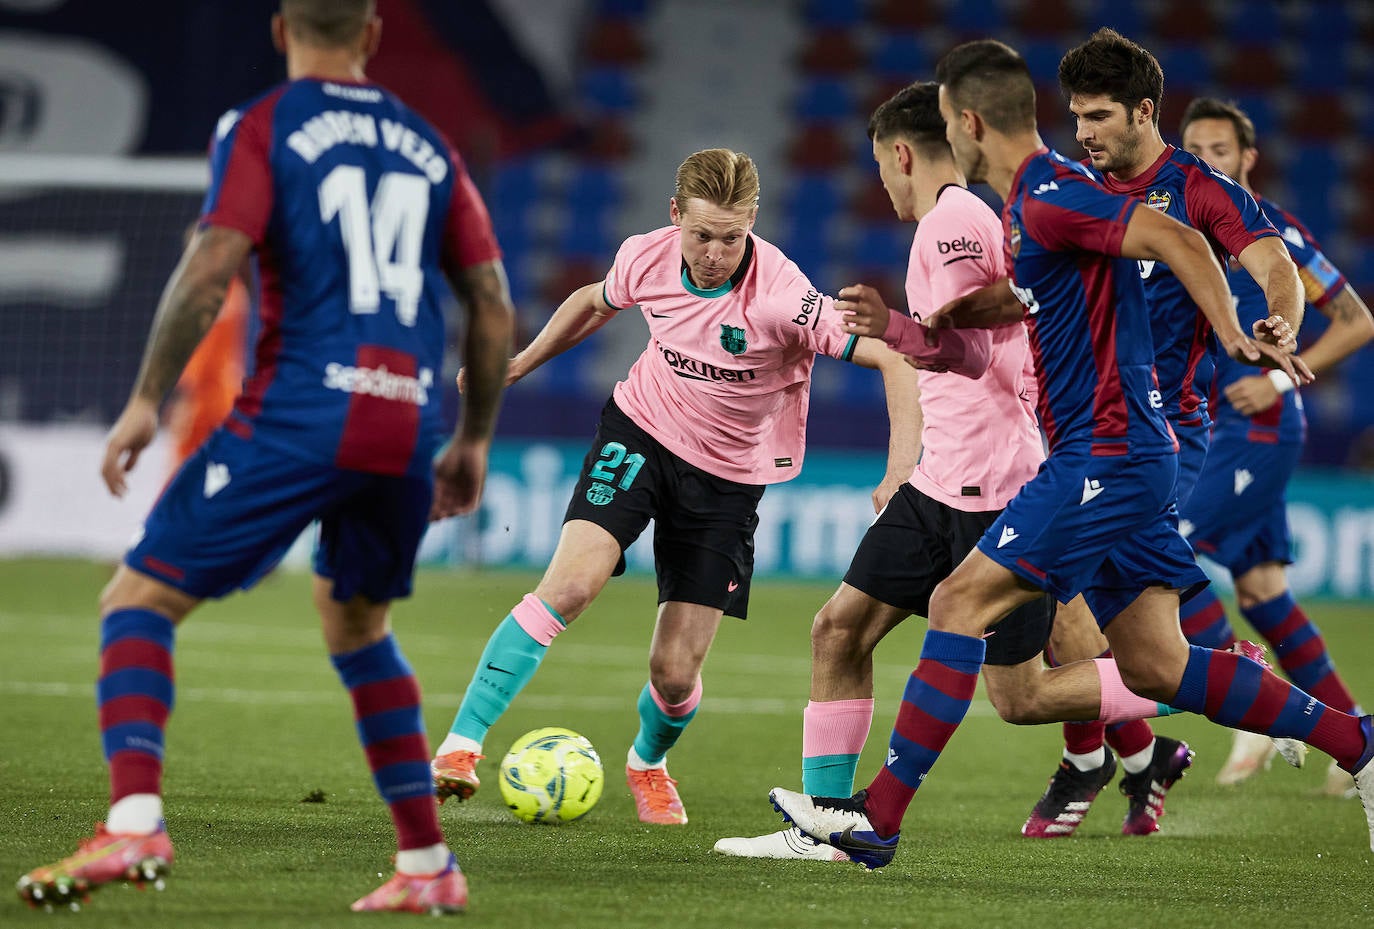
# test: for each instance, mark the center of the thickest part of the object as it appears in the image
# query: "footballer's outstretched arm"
(988, 307)
(1155, 237)
(903, 414)
(1351, 328)
(582, 313)
(190, 302)
(1271, 265)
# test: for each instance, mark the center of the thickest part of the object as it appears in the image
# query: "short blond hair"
(718, 176)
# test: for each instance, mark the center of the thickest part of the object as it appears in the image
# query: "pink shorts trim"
(537, 619)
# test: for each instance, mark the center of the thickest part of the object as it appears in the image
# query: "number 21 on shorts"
(603, 472)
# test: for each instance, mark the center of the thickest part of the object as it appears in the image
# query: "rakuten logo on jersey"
(695, 370)
(379, 382)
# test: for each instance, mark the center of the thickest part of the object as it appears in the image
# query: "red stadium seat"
(831, 52)
(1184, 21)
(870, 202)
(907, 14)
(614, 42)
(1252, 67)
(1321, 116)
(819, 147)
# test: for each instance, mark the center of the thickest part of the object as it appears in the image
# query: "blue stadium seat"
(593, 189)
(1311, 173)
(1261, 110)
(1258, 21)
(901, 56)
(813, 197)
(881, 246)
(514, 182)
(1322, 65)
(1186, 67)
(834, 12)
(1042, 57)
(622, 9)
(1125, 18)
(975, 17)
(824, 99)
(608, 89)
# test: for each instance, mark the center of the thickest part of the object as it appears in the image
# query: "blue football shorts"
(1238, 514)
(236, 506)
(1102, 526)
(1193, 442)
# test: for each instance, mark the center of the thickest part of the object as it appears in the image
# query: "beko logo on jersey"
(379, 382)
(961, 248)
(695, 370)
(808, 307)
(320, 133)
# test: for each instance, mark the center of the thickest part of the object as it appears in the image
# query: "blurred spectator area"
(573, 114)
(1303, 71)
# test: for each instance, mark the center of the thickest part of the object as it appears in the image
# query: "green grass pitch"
(261, 723)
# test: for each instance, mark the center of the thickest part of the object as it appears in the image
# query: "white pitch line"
(727, 706)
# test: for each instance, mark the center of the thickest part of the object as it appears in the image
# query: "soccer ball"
(551, 775)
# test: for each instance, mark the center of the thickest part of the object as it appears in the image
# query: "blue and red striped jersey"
(354, 205)
(1085, 310)
(1321, 281)
(1183, 186)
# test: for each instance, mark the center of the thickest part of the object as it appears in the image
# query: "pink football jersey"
(981, 440)
(726, 378)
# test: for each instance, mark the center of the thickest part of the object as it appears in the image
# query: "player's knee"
(128, 590)
(834, 638)
(673, 681)
(1014, 704)
(1148, 679)
(1260, 585)
(568, 597)
(950, 610)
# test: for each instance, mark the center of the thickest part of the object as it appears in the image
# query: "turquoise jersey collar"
(720, 291)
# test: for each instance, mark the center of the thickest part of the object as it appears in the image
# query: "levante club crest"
(732, 339)
(1159, 200)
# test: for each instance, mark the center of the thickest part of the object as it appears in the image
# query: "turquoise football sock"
(661, 725)
(829, 775)
(506, 666)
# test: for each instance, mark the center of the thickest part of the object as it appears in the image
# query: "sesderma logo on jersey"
(695, 370)
(379, 382)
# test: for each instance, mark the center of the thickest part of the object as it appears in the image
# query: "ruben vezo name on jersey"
(701, 371)
(379, 382)
(321, 132)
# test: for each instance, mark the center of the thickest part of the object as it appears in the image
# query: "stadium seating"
(1302, 72)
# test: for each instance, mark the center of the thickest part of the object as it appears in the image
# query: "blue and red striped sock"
(936, 699)
(1234, 691)
(1204, 622)
(386, 705)
(1300, 649)
(135, 694)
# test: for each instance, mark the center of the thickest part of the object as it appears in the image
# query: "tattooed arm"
(1351, 327)
(191, 300)
(461, 469)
